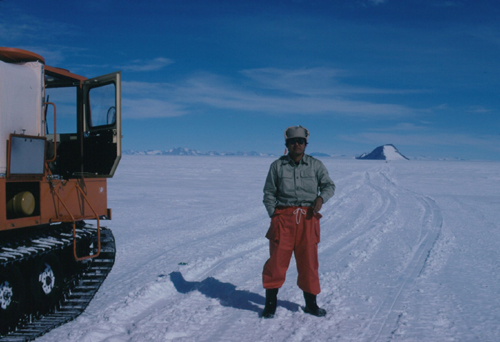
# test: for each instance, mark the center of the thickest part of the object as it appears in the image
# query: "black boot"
(271, 303)
(312, 307)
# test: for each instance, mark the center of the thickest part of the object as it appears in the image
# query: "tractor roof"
(53, 76)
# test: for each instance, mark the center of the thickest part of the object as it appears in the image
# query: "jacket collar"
(287, 160)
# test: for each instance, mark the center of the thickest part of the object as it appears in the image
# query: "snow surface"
(391, 153)
(409, 252)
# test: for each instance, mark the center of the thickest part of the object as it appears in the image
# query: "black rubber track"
(79, 289)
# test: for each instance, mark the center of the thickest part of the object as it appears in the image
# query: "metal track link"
(78, 295)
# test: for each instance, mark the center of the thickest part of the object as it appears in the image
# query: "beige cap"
(296, 132)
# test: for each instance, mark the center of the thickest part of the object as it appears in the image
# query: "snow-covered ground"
(410, 251)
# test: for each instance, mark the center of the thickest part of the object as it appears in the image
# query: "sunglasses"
(293, 141)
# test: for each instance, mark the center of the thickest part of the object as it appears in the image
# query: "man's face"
(296, 146)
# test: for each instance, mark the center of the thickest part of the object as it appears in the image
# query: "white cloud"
(479, 110)
(302, 91)
(447, 4)
(270, 91)
(403, 127)
(296, 81)
(485, 142)
(57, 55)
(150, 108)
(24, 27)
(313, 81)
(142, 100)
(470, 109)
(147, 65)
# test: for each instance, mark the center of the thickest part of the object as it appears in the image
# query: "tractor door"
(101, 151)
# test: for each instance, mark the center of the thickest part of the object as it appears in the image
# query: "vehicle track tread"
(79, 291)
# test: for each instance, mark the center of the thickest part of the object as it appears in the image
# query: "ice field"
(410, 251)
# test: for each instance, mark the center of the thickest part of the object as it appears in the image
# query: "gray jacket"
(289, 184)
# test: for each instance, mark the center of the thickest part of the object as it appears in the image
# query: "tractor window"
(102, 105)
(66, 110)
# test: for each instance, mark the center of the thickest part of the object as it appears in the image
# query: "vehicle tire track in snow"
(369, 210)
(367, 219)
(384, 323)
(382, 277)
(362, 223)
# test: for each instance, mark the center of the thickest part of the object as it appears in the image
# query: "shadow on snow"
(226, 293)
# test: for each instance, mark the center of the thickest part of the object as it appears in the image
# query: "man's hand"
(317, 204)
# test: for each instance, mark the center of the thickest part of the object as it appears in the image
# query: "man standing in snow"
(296, 187)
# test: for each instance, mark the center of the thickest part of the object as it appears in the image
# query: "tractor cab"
(82, 124)
(61, 134)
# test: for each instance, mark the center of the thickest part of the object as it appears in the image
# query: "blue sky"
(232, 75)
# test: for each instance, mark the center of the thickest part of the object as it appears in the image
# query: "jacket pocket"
(309, 181)
(286, 181)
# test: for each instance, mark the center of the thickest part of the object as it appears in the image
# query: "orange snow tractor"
(60, 140)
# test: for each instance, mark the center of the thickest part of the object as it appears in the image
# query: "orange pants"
(293, 230)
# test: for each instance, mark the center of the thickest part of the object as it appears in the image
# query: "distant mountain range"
(181, 151)
(385, 152)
